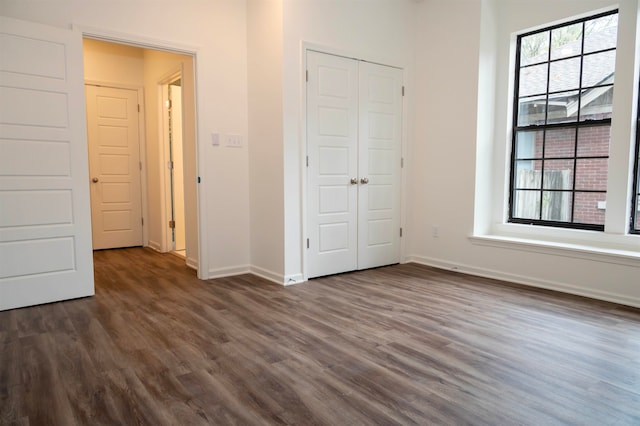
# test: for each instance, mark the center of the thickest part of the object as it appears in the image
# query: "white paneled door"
(114, 167)
(354, 123)
(45, 229)
(379, 163)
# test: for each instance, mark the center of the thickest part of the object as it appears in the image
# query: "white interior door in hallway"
(354, 135)
(114, 167)
(45, 229)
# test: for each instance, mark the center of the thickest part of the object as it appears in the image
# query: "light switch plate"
(234, 141)
(215, 139)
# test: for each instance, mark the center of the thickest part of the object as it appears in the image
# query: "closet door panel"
(332, 137)
(379, 147)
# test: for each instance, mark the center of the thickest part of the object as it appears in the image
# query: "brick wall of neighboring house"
(591, 173)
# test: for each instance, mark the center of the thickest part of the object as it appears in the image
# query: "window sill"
(586, 245)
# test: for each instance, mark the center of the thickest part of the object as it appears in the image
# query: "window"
(635, 203)
(562, 120)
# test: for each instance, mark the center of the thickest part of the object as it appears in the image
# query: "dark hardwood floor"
(404, 344)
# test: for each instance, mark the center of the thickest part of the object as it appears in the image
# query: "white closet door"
(379, 148)
(332, 133)
(45, 228)
(354, 134)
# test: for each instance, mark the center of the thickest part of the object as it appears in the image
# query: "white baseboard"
(294, 279)
(257, 271)
(155, 246)
(192, 263)
(228, 272)
(267, 274)
(527, 281)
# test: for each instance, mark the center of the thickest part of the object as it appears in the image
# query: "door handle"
(94, 180)
(364, 181)
(354, 181)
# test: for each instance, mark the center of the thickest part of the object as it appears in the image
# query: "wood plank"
(405, 344)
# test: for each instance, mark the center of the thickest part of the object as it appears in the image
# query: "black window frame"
(576, 125)
(635, 195)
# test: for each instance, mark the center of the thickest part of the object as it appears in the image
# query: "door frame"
(111, 36)
(305, 47)
(142, 147)
(166, 197)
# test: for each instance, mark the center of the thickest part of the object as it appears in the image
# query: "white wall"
(374, 30)
(216, 30)
(264, 49)
(462, 56)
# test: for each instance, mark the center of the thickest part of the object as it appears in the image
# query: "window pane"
(563, 107)
(533, 80)
(528, 174)
(529, 144)
(596, 103)
(527, 205)
(566, 41)
(599, 68)
(534, 48)
(601, 33)
(559, 143)
(591, 174)
(564, 75)
(589, 208)
(531, 110)
(556, 206)
(558, 174)
(593, 141)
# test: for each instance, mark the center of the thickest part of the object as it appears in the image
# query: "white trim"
(304, 229)
(228, 271)
(577, 251)
(154, 245)
(267, 274)
(192, 263)
(129, 39)
(527, 281)
(165, 177)
(294, 279)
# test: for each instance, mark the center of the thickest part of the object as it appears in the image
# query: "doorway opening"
(172, 101)
(167, 167)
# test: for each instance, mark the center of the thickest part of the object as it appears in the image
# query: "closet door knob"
(364, 181)
(354, 181)
(94, 180)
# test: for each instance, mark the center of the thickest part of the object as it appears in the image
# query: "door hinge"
(172, 224)
(307, 243)
(307, 161)
(168, 103)
(138, 107)
(142, 221)
(400, 232)
(402, 90)
(140, 164)
(170, 165)
(306, 75)
(402, 163)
